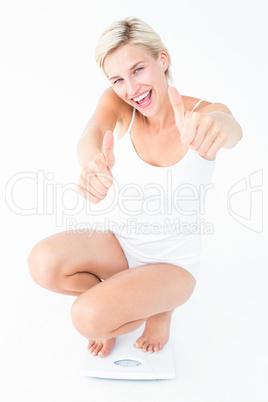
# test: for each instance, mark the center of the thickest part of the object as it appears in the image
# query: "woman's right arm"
(95, 148)
(104, 118)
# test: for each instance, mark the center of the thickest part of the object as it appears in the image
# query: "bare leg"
(71, 263)
(150, 292)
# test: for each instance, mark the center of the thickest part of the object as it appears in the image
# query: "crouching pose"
(161, 160)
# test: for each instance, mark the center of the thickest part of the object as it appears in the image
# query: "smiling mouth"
(144, 98)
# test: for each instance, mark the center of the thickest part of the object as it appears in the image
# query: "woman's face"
(138, 78)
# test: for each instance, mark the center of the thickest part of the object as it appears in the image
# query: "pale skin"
(74, 263)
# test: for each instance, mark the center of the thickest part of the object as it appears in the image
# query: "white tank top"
(158, 212)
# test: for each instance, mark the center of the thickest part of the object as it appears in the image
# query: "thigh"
(137, 293)
(90, 251)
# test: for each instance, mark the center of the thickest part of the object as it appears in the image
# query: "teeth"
(141, 97)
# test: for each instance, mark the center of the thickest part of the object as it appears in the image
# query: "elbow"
(233, 139)
(239, 134)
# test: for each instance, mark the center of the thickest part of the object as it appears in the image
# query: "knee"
(43, 263)
(86, 319)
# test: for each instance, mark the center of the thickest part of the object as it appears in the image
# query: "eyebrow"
(131, 68)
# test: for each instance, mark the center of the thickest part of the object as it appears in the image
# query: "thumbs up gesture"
(96, 177)
(108, 149)
(198, 130)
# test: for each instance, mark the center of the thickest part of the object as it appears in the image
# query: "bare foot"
(156, 333)
(101, 348)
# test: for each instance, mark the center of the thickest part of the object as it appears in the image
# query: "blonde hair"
(131, 31)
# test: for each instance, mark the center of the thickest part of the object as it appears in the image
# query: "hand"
(96, 177)
(198, 130)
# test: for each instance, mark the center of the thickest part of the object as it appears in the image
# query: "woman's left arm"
(223, 117)
(207, 131)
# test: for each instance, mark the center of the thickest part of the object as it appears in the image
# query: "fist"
(96, 177)
(198, 130)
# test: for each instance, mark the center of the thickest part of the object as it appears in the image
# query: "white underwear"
(133, 262)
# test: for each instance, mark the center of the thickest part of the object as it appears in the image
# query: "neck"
(163, 120)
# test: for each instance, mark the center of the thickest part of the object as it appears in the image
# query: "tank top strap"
(128, 130)
(198, 103)
(132, 120)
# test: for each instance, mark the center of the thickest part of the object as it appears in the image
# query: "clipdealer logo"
(245, 201)
(36, 193)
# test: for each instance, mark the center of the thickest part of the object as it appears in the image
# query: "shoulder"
(190, 102)
(204, 106)
(123, 110)
(109, 99)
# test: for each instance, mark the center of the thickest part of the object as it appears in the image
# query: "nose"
(132, 88)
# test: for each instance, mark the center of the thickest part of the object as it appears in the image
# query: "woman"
(125, 277)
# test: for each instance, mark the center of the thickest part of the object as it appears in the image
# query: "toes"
(103, 352)
(92, 347)
(153, 348)
(150, 349)
(90, 344)
(96, 349)
(101, 348)
(139, 342)
(145, 346)
(156, 348)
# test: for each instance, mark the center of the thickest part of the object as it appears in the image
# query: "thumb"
(108, 147)
(178, 107)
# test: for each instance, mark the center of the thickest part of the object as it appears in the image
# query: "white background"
(50, 84)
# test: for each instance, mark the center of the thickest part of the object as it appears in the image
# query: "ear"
(163, 57)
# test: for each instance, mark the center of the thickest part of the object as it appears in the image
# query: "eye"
(119, 79)
(137, 69)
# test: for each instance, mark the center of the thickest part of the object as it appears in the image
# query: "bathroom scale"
(126, 362)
